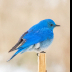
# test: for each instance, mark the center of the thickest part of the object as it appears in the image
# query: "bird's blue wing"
(37, 36)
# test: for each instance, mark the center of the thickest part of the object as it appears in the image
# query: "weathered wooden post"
(42, 62)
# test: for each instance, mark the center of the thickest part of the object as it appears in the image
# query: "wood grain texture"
(42, 62)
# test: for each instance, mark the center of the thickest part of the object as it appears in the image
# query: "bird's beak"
(57, 25)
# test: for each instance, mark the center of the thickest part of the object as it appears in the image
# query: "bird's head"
(50, 23)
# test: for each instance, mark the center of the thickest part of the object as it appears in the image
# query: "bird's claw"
(42, 52)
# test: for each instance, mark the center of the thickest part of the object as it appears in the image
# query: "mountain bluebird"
(37, 38)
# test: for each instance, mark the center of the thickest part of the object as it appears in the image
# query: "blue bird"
(37, 38)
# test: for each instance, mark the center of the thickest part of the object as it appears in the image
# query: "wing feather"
(19, 43)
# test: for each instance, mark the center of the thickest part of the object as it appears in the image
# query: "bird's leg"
(42, 52)
(38, 50)
(37, 54)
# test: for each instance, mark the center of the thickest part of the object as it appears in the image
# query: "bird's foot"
(42, 52)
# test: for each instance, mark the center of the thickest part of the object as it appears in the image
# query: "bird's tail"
(19, 50)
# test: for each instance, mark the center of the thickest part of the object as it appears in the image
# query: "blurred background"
(17, 16)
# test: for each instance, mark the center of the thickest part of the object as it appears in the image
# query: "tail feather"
(15, 54)
(12, 57)
(20, 49)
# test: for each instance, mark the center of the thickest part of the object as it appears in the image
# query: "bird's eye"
(51, 25)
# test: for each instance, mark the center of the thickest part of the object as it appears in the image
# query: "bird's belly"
(45, 44)
(40, 46)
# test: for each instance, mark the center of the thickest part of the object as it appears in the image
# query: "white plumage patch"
(36, 46)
